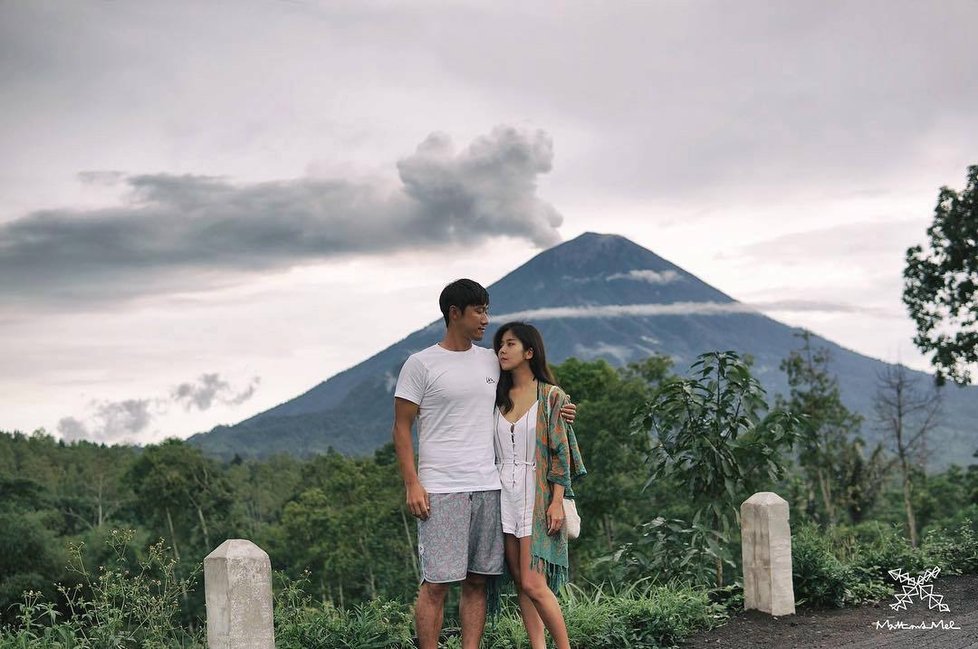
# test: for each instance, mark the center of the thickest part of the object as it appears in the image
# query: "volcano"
(596, 296)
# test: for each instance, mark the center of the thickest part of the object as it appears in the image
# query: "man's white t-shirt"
(455, 393)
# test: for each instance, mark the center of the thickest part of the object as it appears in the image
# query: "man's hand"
(418, 502)
(568, 412)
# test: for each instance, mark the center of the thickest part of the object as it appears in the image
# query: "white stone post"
(766, 547)
(238, 591)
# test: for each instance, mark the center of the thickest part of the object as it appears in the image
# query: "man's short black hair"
(462, 293)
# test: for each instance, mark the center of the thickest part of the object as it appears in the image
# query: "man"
(450, 388)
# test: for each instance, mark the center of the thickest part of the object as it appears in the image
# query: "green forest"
(670, 455)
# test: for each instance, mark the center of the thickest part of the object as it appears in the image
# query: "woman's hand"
(555, 516)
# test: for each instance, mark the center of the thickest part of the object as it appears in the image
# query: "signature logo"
(918, 587)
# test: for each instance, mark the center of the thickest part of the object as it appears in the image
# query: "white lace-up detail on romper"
(516, 460)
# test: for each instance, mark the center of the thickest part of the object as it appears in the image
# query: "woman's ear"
(529, 353)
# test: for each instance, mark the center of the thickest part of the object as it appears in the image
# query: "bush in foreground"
(114, 607)
(845, 566)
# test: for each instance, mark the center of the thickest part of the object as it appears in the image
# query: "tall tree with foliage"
(863, 477)
(607, 400)
(828, 430)
(261, 489)
(185, 495)
(349, 528)
(715, 435)
(906, 414)
(30, 556)
(941, 285)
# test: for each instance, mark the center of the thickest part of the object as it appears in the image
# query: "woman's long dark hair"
(531, 339)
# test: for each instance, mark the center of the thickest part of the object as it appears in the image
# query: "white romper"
(516, 462)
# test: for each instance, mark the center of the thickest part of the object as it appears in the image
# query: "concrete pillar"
(766, 547)
(238, 591)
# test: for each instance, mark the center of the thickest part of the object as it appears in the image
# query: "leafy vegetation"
(940, 286)
(848, 565)
(344, 549)
(715, 437)
(837, 476)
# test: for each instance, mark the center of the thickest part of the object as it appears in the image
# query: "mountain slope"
(596, 296)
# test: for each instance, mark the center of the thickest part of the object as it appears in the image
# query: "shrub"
(640, 616)
(954, 549)
(882, 548)
(819, 577)
(299, 624)
(686, 552)
(850, 565)
(114, 608)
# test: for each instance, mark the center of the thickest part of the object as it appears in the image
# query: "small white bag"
(572, 520)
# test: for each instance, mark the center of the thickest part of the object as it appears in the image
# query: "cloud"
(113, 422)
(820, 306)
(191, 232)
(619, 352)
(798, 97)
(650, 276)
(210, 388)
(486, 190)
(122, 422)
(875, 239)
(245, 394)
(105, 178)
(71, 429)
(685, 309)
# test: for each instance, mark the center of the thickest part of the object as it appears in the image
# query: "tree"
(261, 489)
(30, 555)
(182, 492)
(90, 491)
(943, 497)
(713, 433)
(941, 285)
(348, 527)
(607, 400)
(828, 428)
(906, 414)
(863, 478)
(31, 558)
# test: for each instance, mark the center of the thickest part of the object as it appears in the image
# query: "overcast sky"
(208, 207)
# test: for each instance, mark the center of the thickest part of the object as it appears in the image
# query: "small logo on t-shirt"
(489, 379)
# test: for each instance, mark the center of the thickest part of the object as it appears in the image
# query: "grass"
(114, 606)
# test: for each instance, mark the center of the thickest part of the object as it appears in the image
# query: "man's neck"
(453, 341)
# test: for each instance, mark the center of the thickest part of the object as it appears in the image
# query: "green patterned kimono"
(558, 460)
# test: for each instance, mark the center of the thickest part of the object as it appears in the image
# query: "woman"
(537, 456)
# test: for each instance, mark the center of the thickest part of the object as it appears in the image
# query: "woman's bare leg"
(531, 619)
(534, 585)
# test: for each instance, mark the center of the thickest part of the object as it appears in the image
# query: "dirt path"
(856, 628)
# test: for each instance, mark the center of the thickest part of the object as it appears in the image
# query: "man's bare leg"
(472, 610)
(429, 611)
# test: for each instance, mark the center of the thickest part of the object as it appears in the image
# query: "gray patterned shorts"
(463, 534)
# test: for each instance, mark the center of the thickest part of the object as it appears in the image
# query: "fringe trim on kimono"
(494, 591)
(556, 575)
